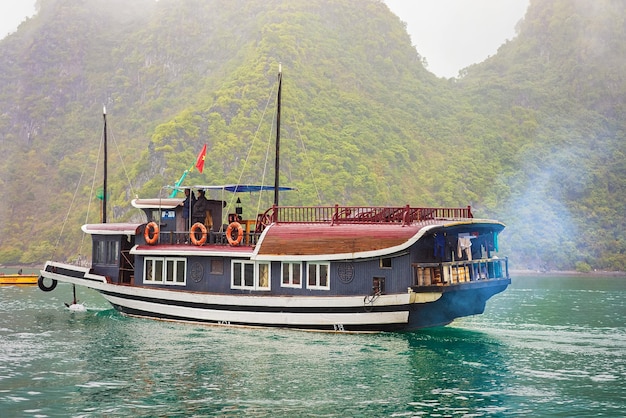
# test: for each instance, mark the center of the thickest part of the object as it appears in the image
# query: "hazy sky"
(12, 13)
(453, 34)
(450, 34)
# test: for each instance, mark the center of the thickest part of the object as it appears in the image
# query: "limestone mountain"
(533, 136)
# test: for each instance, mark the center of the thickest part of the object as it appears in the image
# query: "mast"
(277, 159)
(104, 186)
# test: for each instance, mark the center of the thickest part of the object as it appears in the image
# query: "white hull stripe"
(240, 316)
(243, 306)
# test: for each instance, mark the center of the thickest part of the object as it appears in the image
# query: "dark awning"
(237, 188)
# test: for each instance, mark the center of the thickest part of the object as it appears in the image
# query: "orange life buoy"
(151, 233)
(229, 233)
(198, 227)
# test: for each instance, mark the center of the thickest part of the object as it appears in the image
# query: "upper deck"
(329, 231)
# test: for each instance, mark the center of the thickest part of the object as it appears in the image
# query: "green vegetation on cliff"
(533, 136)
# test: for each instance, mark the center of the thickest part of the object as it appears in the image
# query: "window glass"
(169, 271)
(296, 272)
(264, 275)
(378, 285)
(249, 274)
(312, 275)
(385, 263)
(106, 252)
(99, 253)
(318, 276)
(291, 274)
(323, 277)
(113, 252)
(165, 270)
(149, 270)
(158, 270)
(180, 271)
(237, 275)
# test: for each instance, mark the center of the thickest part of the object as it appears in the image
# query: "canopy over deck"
(234, 188)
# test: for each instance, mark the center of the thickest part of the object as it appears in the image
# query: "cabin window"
(165, 270)
(106, 252)
(385, 263)
(378, 285)
(317, 276)
(247, 275)
(291, 274)
(263, 273)
(154, 215)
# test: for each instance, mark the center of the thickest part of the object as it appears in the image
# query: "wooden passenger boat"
(330, 268)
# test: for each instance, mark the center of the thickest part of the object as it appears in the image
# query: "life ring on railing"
(229, 233)
(45, 288)
(151, 233)
(198, 227)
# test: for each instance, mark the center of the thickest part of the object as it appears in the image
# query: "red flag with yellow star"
(200, 160)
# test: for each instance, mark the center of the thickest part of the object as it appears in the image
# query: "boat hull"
(12, 279)
(408, 311)
(460, 300)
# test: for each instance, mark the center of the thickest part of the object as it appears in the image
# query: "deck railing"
(334, 215)
(441, 274)
(361, 214)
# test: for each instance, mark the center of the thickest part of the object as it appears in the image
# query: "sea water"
(547, 346)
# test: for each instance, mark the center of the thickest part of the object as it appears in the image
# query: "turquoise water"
(548, 346)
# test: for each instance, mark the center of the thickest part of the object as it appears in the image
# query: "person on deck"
(200, 208)
(187, 205)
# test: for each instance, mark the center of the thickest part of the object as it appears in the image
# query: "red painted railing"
(359, 214)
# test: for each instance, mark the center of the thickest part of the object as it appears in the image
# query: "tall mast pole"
(277, 159)
(104, 186)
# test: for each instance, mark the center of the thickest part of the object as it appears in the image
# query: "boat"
(335, 268)
(18, 278)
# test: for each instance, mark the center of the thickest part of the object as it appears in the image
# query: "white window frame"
(288, 267)
(318, 267)
(240, 265)
(149, 264)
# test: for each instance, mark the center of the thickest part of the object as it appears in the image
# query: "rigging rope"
(268, 149)
(67, 215)
(130, 185)
(306, 155)
(91, 194)
(93, 181)
(254, 138)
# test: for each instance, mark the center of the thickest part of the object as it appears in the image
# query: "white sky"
(450, 34)
(12, 13)
(453, 34)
